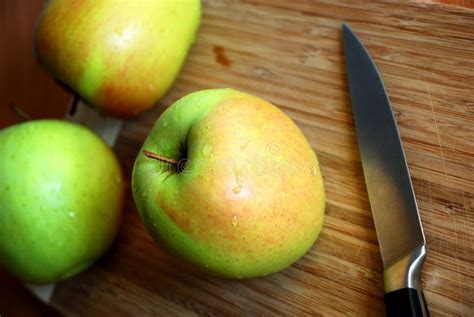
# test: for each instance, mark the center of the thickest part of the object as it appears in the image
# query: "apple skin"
(233, 211)
(120, 56)
(61, 196)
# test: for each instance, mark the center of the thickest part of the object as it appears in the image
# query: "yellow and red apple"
(120, 56)
(228, 182)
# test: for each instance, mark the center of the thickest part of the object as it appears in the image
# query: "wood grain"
(462, 3)
(290, 53)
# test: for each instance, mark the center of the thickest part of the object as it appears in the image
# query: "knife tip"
(346, 28)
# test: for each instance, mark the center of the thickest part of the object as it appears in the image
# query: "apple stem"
(160, 158)
(20, 112)
(73, 107)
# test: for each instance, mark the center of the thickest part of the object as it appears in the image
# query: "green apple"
(249, 199)
(121, 56)
(61, 194)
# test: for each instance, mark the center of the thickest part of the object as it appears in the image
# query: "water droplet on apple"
(238, 181)
(234, 221)
(72, 214)
(165, 124)
(143, 194)
(237, 188)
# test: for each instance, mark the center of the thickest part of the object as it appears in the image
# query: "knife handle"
(403, 293)
(405, 302)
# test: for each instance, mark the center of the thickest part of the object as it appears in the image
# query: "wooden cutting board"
(290, 53)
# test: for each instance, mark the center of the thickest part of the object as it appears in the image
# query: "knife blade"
(390, 191)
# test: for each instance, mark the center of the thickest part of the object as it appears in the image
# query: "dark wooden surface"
(16, 300)
(291, 54)
(22, 81)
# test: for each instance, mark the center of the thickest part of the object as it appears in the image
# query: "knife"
(390, 191)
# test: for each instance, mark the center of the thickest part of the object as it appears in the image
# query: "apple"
(61, 195)
(228, 182)
(120, 56)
